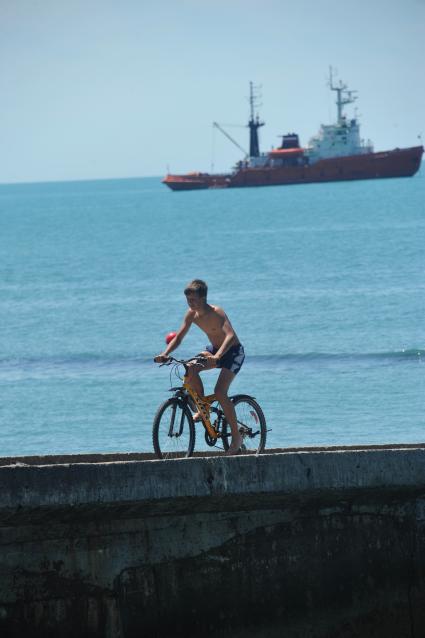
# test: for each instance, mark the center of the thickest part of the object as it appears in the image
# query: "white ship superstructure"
(341, 139)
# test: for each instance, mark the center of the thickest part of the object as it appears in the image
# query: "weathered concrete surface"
(301, 544)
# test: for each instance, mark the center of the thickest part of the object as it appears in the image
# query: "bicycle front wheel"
(251, 425)
(173, 431)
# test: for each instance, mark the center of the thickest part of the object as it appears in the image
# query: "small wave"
(340, 357)
(77, 359)
(116, 364)
(71, 366)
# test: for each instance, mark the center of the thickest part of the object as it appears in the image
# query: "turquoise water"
(324, 284)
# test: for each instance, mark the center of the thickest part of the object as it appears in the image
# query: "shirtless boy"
(225, 351)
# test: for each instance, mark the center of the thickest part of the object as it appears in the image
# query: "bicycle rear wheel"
(173, 430)
(251, 425)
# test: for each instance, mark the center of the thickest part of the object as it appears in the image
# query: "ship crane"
(254, 124)
(216, 125)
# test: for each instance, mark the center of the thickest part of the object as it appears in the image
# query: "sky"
(97, 89)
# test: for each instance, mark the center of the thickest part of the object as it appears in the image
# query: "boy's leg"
(195, 379)
(222, 386)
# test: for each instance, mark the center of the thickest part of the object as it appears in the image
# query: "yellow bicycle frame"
(203, 405)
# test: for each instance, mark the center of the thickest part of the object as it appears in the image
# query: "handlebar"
(196, 359)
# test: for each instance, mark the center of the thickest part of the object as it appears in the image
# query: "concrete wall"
(297, 544)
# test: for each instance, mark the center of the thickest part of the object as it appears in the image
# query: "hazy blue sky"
(101, 88)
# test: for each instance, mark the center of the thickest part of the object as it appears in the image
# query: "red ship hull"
(196, 181)
(396, 163)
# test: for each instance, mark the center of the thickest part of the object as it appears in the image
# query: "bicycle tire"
(173, 430)
(252, 424)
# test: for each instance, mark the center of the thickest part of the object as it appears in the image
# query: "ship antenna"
(254, 123)
(343, 95)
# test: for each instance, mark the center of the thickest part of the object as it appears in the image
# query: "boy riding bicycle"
(225, 351)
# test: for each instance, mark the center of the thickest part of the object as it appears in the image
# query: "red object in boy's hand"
(170, 337)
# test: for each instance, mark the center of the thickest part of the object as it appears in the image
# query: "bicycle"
(173, 431)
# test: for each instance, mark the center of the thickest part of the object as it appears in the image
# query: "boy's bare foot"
(196, 417)
(235, 448)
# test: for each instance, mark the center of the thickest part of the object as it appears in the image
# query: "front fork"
(171, 431)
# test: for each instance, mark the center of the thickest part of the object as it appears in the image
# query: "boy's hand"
(212, 360)
(161, 358)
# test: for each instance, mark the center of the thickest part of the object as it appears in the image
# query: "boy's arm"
(187, 322)
(229, 338)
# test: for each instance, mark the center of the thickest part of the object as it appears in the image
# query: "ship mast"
(343, 96)
(254, 124)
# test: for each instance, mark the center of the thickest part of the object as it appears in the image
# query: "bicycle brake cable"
(174, 369)
(176, 372)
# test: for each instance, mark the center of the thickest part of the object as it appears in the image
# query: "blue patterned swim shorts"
(232, 359)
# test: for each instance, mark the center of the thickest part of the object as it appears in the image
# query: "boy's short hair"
(197, 286)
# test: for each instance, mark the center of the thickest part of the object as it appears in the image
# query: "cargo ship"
(336, 153)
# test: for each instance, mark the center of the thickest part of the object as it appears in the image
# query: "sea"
(323, 283)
